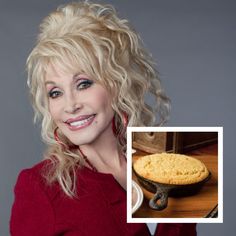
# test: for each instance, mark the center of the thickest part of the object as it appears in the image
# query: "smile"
(80, 122)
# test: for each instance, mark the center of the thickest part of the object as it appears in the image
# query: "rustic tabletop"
(196, 206)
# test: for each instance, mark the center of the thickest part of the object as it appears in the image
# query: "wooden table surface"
(195, 206)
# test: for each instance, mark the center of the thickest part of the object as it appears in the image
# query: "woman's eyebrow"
(50, 82)
(74, 77)
(77, 76)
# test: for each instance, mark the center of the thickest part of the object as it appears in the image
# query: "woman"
(88, 75)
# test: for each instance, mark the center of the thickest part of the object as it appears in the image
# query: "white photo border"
(219, 130)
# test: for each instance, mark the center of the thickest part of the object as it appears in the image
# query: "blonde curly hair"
(91, 36)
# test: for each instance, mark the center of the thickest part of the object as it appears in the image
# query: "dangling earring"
(63, 145)
(122, 138)
(56, 137)
(114, 129)
(124, 120)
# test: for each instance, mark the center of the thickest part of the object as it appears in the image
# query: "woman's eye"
(84, 84)
(54, 94)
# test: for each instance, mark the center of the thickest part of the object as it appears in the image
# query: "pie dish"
(164, 176)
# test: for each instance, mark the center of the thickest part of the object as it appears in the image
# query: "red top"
(100, 209)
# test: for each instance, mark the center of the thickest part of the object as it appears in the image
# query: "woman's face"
(79, 106)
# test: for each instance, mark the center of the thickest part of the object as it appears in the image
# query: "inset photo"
(175, 174)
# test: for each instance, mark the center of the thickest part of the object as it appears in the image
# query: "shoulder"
(32, 211)
(32, 179)
(39, 168)
(35, 173)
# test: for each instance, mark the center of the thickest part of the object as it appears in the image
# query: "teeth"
(81, 122)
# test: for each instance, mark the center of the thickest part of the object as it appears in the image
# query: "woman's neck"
(103, 153)
(104, 156)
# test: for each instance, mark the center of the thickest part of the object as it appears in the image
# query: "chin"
(82, 139)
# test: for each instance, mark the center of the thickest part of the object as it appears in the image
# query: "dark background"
(194, 44)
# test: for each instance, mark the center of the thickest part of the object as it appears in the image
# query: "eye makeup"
(80, 82)
(54, 93)
(84, 84)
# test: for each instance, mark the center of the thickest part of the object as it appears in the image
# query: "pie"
(169, 168)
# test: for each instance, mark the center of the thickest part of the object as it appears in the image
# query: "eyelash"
(54, 94)
(85, 84)
(82, 85)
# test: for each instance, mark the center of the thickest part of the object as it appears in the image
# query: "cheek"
(102, 101)
(54, 111)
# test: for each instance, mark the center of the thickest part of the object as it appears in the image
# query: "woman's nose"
(71, 104)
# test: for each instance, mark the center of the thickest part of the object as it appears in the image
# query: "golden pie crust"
(168, 168)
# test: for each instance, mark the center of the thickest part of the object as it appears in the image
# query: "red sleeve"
(31, 213)
(174, 229)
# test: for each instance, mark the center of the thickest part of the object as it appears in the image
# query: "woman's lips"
(80, 122)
